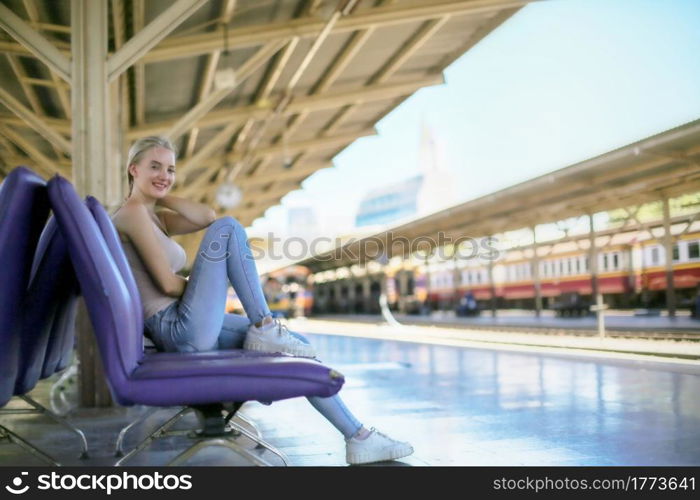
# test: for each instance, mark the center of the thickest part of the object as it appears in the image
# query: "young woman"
(188, 315)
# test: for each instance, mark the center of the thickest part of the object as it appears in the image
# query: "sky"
(559, 82)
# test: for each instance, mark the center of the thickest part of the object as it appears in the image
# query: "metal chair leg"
(6, 433)
(119, 446)
(227, 443)
(60, 420)
(259, 441)
(250, 423)
(58, 390)
(159, 432)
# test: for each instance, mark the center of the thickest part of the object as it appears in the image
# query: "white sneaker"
(276, 337)
(377, 447)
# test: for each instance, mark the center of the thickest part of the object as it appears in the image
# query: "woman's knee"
(226, 221)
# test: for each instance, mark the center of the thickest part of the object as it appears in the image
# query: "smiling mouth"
(160, 186)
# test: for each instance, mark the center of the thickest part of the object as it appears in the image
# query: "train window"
(694, 250)
(616, 260)
(654, 256)
(676, 253)
(605, 262)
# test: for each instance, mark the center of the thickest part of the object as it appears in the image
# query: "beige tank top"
(152, 298)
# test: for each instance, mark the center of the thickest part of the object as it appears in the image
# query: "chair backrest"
(24, 209)
(106, 296)
(48, 313)
(109, 233)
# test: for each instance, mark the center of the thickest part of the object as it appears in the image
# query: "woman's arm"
(186, 216)
(136, 224)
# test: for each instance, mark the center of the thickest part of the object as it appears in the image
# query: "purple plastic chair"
(24, 208)
(47, 329)
(204, 383)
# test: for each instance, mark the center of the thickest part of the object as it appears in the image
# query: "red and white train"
(630, 274)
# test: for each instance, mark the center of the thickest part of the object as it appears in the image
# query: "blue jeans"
(198, 322)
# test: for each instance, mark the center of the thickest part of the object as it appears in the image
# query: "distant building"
(422, 194)
(302, 220)
(389, 203)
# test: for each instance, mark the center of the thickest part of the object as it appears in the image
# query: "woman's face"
(154, 174)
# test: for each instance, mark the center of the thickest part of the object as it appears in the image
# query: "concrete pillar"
(337, 286)
(668, 247)
(366, 293)
(351, 295)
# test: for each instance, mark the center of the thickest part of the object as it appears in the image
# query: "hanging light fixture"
(226, 76)
(228, 195)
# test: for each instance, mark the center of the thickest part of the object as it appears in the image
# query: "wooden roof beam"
(314, 103)
(139, 20)
(61, 89)
(208, 75)
(36, 122)
(44, 165)
(404, 53)
(35, 43)
(278, 175)
(200, 110)
(317, 143)
(144, 40)
(204, 153)
(59, 125)
(188, 46)
(29, 91)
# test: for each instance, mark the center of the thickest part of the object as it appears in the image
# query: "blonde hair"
(140, 147)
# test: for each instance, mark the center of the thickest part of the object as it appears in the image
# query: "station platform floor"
(460, 402)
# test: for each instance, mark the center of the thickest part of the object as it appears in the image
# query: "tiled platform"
(457, 406)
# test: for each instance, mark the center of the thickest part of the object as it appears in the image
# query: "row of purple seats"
(214, 385)
(38, 300)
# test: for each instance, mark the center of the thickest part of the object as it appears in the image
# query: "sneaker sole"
(368, 458)
(260, 347)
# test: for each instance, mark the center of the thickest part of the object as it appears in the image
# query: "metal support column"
(492, 285)
(593, 259)
(668, 247)
(536, 274)
(456, 277)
